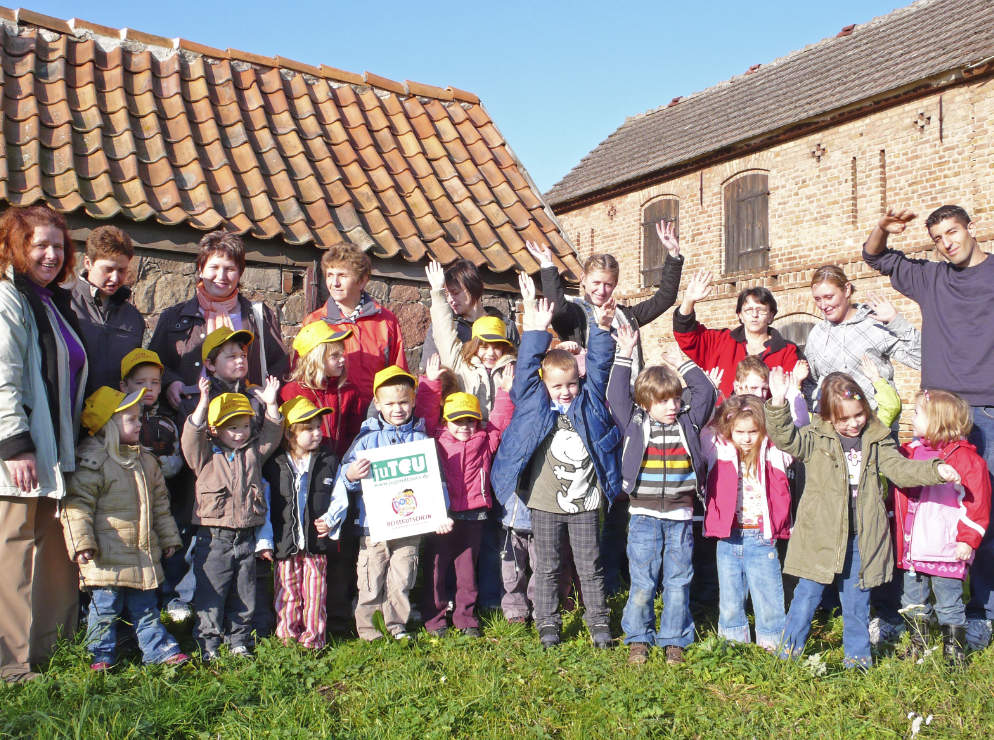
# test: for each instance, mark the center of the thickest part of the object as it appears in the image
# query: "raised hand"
(869, 367)
(894, 222)
(628, 339)
(204, 384)
(527, 286)
(715, 375)
(605, 314)
(542, 315)
(433, 368)
(267, 395)
(801, 372)
(883, 310)
(436, 275)
(541, 253)
(673, 357)
(779, 385)
(698, 288)
(948, 473)
(666, 231)
(506, 378)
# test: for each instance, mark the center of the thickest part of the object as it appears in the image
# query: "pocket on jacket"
(211, 504)
(259, 502)
(610, 441)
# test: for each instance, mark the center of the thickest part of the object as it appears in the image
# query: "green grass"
(504, 685)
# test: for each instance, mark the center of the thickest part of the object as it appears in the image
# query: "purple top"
(77, 355)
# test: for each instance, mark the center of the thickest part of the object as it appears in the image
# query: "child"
(227, 457)
(939, 527)
(561, 452)
(386, 570)
(226, 364)
(842, 534)
(747, 506)
(117, 523)
(465, 450)
(480, 362)
(662, 470)
(301, 479)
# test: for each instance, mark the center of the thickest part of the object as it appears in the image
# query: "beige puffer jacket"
(122, 514)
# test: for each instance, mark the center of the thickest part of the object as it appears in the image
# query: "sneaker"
(179, 612)
(401, 636)
(176, 659)
(674, 655)
(439, 632)
(517, 620)
(470, 631)
(208, 656)
(602, 638)
(101, 665)
(638, 653)
(549, 636)
(978, 633)
(882, 631)
(241, 651)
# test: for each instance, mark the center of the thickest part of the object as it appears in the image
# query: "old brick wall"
(906, 156)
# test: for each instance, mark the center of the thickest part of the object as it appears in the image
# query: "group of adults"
(62, 333)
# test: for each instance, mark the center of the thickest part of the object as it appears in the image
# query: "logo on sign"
(404, 503)
(399, 467)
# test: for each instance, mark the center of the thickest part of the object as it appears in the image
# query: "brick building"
(169, 139)
(789, 165)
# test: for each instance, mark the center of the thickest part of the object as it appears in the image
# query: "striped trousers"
(301, 613)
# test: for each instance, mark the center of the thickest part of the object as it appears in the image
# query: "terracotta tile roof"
(894, 51)
(126, 123)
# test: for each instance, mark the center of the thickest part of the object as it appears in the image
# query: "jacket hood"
(377, 424)
(370, 307)
(85, 289)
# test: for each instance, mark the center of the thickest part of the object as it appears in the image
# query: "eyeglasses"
(756, 311)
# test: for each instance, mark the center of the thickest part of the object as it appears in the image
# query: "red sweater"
(348, 411)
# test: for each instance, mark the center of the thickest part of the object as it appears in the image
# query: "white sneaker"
(179, 612)
(882, 631)
(241, 651)
(401, 636)
(978, 633)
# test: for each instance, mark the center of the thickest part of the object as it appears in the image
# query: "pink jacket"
(465, 465)
(721, 493)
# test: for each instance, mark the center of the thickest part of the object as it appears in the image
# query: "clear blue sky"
(557, 77)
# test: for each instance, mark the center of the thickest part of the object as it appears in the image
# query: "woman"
(42, 383)
(851, 330)
(724, 348)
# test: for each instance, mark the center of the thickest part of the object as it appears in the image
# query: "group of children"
(525, 432)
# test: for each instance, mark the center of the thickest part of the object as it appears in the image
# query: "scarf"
(217, 311)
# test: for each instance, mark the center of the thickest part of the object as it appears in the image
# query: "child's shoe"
(953, 640)
(100, 666)
(674, 655)
(883, 631)
(401, 636)
(638, 653)
(978, 633)
(470, 631)
(176, 659)
(179, 611)
(549, 636)
(602, 638)
(517, 620)
(918, 632)
(241, 651)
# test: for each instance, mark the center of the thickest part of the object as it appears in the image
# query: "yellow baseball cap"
(221, 335)
(461, 406)
(137, 357)
(490, 329)
(301, 409)
(315, 333)
(103, 403)
(227, 406)
(389, 373)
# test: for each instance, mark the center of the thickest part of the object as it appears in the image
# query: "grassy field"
(504, 685)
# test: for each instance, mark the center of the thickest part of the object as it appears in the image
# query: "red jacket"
(725, 348)
(341, 426)
(375, 341)
(965, 506)
(466, 465)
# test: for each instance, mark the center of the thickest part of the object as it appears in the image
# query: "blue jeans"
(981, 604)
(655, 544)
(949, 607)
(107, 605)
(748, 565)
(855, 612)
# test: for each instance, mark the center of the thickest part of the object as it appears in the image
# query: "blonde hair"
(559, 359)
(111, 435)
(656, 383)
(836, 389)
(309, 370)
(742, 407)
(751, 365)
(470, 348)
(949, 415)
(603, 262)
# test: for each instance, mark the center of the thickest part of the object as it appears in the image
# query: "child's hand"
(265, 555)
(542, 316)
(322, 527)
(358, 470)
(82, 558)
(605, 314)
(436, 275)
(204, 384)
(506, 378)
(963, 551)
(948, 473)
(267, 396)
(869, 368)
(445, 527)
(883, 310)
(628, 339)
(433, 368)
(779, 385)
(801, 371)
(715, 375)
(542, 254)
(168, 552)
(666, 231)
(527, 286)
(573, 348)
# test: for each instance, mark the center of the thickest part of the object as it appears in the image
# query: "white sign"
(403, 491)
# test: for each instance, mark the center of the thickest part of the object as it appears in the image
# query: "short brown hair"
(224, 243)
(605, 262)
(17, 227)
(949, 416)
(837, 388)
(559, 359)
(739, 407)
(107, 242)
(347, 255)
(657, 383)
(832, 274)
(751, 365)
(467, 276)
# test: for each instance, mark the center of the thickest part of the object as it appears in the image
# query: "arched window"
(653, 254)
(795, 327)
(747, 232)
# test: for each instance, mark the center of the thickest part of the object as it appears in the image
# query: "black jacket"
(283, 509)
(110, 330)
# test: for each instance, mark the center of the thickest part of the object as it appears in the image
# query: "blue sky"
(557, 77)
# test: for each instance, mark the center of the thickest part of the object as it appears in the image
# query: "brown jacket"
(229, 482)
(122, 514)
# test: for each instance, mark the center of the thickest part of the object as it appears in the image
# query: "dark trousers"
(456, 551)
(224, 598)
(175, 568)
(488, 564)
(583, 532)
(341, 580)
(614, 545)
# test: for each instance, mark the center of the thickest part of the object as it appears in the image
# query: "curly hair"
(17, 227)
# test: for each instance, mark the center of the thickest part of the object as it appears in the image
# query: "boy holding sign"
(386, 569)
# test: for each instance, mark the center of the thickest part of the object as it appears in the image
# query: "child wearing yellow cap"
(226, 454)
(117, 524)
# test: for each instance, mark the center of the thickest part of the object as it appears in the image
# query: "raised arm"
(428, 398)
(619, 384)
(892, 222)
(443, 324)
(669, 285)
(600, 353)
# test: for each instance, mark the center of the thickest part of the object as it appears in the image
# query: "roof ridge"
(79, 28)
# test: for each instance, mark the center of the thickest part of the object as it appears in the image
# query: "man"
(111, 326)
(955, 297)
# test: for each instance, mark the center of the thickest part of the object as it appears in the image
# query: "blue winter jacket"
(534, 419)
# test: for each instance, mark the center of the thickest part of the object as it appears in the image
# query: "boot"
(953, 640)
(918, 632)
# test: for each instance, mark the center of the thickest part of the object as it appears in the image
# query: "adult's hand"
(172, 393)
(542, 254)
(666, 231)
(23, 471)
(698, 288)
(894, 222)
(436, 275)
